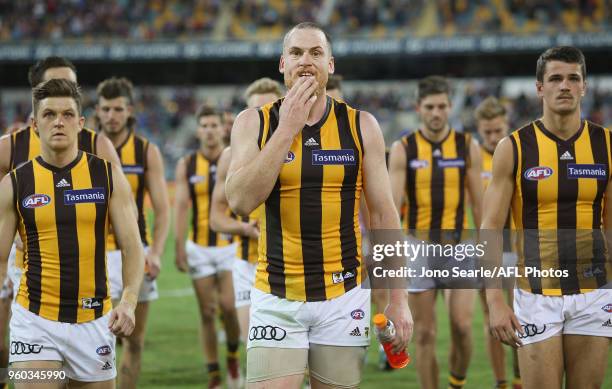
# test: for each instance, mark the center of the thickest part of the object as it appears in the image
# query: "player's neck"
(318, 109)
(118, 138)
(562, 126)
(211, 153)
(435, 136)
(59, 159)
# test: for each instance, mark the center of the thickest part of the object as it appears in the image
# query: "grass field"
(173, 356)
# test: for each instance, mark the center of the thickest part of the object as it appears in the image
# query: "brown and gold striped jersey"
(558, 202)
(63, 220)
(201, 177)
(310, 242)
(435, 182)
(133, 156)
(246, 248)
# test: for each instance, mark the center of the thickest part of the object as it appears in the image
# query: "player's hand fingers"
(307, 95)
(515, 323)
(302, 94)
(291, 92)
(112, 319)
(116, 327)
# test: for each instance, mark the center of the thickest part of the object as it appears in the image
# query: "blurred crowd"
(166, 115)
(269, 19)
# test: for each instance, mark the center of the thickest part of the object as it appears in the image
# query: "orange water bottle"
(385, 332)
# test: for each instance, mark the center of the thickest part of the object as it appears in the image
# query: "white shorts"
(282, 323)
(148, 288)
(86, 350)
(543, 317)
(13, 274)
(207, 261)
(243, 275)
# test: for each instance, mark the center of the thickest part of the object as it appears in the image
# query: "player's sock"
(214, 375)
(517, 383)
(232, 348)
(456, 381)
(501, 384)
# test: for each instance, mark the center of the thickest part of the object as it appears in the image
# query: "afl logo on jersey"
(538, 173)
(196, 179)
(290, 157)
(36, 200)
(418, 164)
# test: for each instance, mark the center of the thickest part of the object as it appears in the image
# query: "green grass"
(173, 356)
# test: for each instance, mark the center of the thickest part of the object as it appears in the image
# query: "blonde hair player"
(492, 126)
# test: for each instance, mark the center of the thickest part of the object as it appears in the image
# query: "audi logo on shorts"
(530, 330)
(20, 348)
(267, 333)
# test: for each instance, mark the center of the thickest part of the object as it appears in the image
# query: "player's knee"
(425, 336)
(227, 307)
(208, 314)
(461, 329)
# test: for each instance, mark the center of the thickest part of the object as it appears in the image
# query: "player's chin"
(59, 144)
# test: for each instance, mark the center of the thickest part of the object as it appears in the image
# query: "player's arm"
(383, 215)
(181, 208)
(253, 173)
(496, 205)
(106, 150)
(155, 181)
(125, 227)
(5, 154)
(8, 222)
(397, 173)
(220, 221)
(474, 182)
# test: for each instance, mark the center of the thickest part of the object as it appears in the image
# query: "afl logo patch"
(290, 157)
(36, 200)
(196, 179)
(418, 164)
(538, 173)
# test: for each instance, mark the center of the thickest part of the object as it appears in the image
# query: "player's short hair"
(489, 108)
(114, 87)
(334, 81)
(56, 88)
(567, 54)
(37, 71)
(308, 26)
(432, 85)
(207, 110)
(263, 86)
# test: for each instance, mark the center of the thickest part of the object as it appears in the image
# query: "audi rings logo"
(267, 333)
(20, 348)
(530, 330)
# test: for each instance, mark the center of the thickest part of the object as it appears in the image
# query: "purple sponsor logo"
(77, 196)
(333, 157)
(607, 308)
(585, 170)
